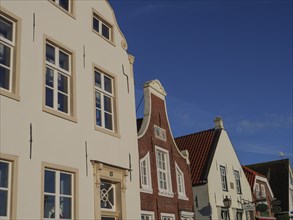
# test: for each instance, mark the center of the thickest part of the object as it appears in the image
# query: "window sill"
(166, 194)
(59, 114)
(101, 36)
(9, 95)
(183, 197)
(103, 130)
(71, 14)
(146, 190)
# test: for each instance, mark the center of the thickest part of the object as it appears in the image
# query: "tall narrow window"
(5, 189)
(58, 194)
(180, 183)
(263, 191)
(58, 78)
(163, 172)
(237, 181)
(8, 55)
(257, 190)
(223, 178)
(104, 96)
(101, 27)
(145, 174)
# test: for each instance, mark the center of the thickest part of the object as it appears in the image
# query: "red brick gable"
(147, 143)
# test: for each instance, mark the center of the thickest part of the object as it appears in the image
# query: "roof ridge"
(211, 129)
(252, 171)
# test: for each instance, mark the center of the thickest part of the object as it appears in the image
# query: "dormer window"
(102, 28)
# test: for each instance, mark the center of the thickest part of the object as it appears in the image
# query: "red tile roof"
(250, 176)
(201, 147)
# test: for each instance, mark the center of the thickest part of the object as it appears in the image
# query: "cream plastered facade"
(209, 201)
(71, 143)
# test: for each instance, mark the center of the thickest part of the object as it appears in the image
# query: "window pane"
(5, 55)
(98, 117)
(49, 181)
(98, 79)
(65, 208)
(49, 77)
(63, 60)
(64, 4)
(4, 78)
(108, 84)
(105, 31)
(108, 121)
(96, 24)
(5, 28)
(62, 102)
(63, 83)
(50, 53)
(49, 206)
(98, 100)
(107, 195)
(49, 97)
(3, 203)
(108, 104)
(4, 169)
(65, 184)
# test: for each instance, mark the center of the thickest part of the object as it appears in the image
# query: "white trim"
(156, 88)
(181, 195)
(167, 170)
(149, 213)
(8, 189)
(167, 215)
(146, 187)
(186, 215)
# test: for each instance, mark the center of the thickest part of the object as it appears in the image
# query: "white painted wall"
(202, 208)
(226, 156)
(56, 140)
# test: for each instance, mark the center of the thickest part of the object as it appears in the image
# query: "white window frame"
(8, 190)
(257, 190)
(103, 93)
(180, 183)
(12, 45)
(167, 216)
(104, 196)
(147, 215)
(224, 178)
(237, 181)
(168, 190)
(56, 71)
(101, 23)
(57, 192)
(70, 6)
(145, 174)
(263, 190)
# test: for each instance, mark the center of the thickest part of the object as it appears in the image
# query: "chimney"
(219, 123)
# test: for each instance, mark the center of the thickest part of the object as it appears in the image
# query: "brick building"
(166, 191)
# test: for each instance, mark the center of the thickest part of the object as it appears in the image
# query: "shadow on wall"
(206, 211)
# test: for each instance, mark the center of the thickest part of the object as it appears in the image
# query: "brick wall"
(154, 202)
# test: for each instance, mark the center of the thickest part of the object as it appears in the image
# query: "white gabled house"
(68, 141)
(220, 188)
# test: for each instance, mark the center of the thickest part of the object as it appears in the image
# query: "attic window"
(102, 28)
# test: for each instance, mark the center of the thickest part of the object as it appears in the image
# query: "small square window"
(101, 27)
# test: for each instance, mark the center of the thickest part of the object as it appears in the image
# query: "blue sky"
(227, 58)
